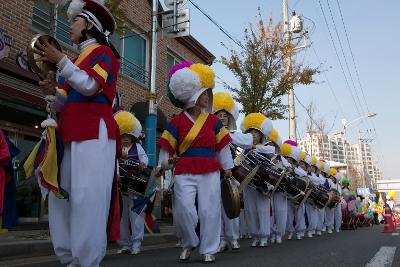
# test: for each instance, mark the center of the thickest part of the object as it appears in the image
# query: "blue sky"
(374, 39)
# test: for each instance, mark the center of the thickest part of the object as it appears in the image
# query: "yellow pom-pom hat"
(258, 122)
(274, 137)
(315, 162)
(325, 167)
(305, 157)
(127, 123)
(188, 81)
(288, 149)
(224, 101)
(332, 172)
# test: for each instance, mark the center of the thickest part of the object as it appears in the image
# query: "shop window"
(134, 57)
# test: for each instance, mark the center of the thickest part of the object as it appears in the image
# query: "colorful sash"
(192, 134)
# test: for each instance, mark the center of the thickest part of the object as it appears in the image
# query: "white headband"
(92, 18)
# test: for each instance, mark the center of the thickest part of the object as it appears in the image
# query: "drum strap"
(192, 134)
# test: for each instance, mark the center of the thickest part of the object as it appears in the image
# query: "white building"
(333, 147)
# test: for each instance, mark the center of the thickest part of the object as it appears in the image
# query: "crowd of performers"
(96, 150)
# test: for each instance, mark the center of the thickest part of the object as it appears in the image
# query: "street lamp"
(345, 125)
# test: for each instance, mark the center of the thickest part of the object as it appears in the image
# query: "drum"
(334, 199)
(320, 196)
(268, 174)
(134, 181)
(230, 196)
(296, 188)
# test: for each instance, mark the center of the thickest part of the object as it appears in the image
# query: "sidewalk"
(31, 243)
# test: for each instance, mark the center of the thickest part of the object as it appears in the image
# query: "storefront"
(22, 109)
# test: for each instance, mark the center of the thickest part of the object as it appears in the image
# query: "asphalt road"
(347, 248)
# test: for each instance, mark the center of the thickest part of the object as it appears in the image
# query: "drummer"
(257, 203)
(279, 199)
(134, 159)
(318, 180)
(325, 170)
(226, 110)
(292, 152)
(338, 209)
(311, 209)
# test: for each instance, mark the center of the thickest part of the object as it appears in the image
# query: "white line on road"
(383, 258)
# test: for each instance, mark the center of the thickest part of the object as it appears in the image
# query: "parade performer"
(200, 144)
(318, 180)
(84, 95)
(329, 212)
(338, 209)
(226, 110)
(133, 161)
(279, 198)
(4, 176)
(257, 204)
(311, 208)
(295, 215)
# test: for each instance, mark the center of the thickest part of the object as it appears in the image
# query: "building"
(22, 106)
(335, 149)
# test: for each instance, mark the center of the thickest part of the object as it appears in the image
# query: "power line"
(340, 62)
(217, 24)
(345, 58)
(356, 68)
(352, 55)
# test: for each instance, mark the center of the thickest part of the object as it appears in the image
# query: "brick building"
(22, 107)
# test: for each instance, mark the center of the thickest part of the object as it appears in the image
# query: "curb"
(33, 248)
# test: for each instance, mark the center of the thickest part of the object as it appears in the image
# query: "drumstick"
(248, 178)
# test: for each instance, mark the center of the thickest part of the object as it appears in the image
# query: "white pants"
(229, 227)
(177, 231)
(244, 228)
(279, 214)
(338, 217)
(321, 219)
(329, 218)
(296, 214)
(131, 222)
(312, 216)
(257, 208)
(78, 227)
(208, 190)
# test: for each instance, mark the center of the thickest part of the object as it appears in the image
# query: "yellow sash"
(192, 134)
(85, 53)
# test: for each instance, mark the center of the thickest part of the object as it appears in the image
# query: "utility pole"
(151, 119)
(288, 66)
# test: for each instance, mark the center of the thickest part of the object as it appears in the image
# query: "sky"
(374, 39)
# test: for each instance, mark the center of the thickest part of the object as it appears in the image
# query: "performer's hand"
(159, 171)
(142, 166)
(125, 151)
(47, 87)
(227, 173)
(48, 53)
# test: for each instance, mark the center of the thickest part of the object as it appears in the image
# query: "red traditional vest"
(79, 120)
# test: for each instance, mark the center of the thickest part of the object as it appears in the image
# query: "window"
(44, 16)
(134, 57)
(171, 61)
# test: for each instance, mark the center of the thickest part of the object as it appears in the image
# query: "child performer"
(134, 160)
(226, 110)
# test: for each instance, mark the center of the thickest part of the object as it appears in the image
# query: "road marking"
(395, 233)
(383, 258)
